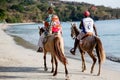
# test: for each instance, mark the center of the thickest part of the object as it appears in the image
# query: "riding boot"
(40, 49)
(75, 46)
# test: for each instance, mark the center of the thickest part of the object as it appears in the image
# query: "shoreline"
(20, 41)
(27, 64)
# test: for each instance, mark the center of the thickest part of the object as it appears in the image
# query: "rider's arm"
(95, 29)
(81, 25)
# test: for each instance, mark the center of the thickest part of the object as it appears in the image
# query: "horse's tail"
(100, 51)
(58, 51)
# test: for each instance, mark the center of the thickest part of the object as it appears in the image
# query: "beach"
(21, 63)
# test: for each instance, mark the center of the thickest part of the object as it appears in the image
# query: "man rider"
(88, 29)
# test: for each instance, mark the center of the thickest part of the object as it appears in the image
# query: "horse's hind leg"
(66, 71)
(45, 66)
(99, 68)
(56, 66)
(94, 60)
(99, 60)
(52, 65)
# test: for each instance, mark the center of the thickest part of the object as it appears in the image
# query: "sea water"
(108, 31)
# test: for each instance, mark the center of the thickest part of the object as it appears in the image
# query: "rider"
(52, 22)
(51, 25)
(87, 27)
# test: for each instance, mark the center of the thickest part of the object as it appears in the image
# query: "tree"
(2, 15)
(19, 8)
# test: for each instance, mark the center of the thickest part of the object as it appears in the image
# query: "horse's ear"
(73, 24)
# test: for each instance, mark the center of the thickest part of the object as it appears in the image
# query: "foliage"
(2, 14)
(35, 10)
(19, 8)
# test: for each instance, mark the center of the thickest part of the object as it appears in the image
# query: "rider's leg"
(77, 40)
(40, 43)
(75, 46)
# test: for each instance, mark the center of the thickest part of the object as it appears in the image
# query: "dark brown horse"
(88, 45)
(54, 45)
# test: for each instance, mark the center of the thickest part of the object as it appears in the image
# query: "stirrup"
(72, 51)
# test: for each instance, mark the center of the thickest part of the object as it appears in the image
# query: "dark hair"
(50, 8)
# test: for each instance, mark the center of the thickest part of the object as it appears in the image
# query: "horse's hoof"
(83, 70)
(91, 72)
(98, 74)
(52, 71)
(45, 69)
(54, 74)
(67, 77)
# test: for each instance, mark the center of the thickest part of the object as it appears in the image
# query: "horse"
(54, 45)
(88, 45)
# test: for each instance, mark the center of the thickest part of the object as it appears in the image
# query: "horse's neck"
(76, 31)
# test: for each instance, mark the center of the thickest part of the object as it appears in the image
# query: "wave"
(111, 58)
(111, 35)
(114, 59)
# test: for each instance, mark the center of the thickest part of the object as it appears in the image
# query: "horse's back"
(89, 43)
(49, 45)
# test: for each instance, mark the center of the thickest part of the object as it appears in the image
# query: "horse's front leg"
(52, 64)
(45, 66)
(83, 59)
(83, 62)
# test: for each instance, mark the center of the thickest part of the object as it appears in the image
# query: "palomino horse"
(54, 45)
(88, 45)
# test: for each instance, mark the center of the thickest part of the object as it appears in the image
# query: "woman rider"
(51, 25)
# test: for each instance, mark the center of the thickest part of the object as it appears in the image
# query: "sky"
(107, 3)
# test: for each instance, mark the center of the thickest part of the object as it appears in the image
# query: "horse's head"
(41, 30)
(74, 30)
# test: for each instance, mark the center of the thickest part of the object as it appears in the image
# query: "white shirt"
(88, 24)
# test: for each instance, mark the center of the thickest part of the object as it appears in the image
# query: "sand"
(20, 63)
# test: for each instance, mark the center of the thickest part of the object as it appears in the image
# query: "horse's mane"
(75, 29)
(41, 30)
